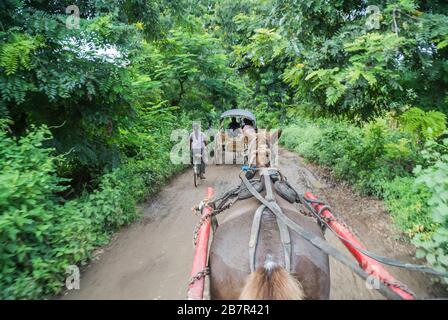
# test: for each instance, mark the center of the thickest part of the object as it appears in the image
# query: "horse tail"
(272, 282)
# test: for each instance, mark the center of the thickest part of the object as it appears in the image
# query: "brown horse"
(231, 277)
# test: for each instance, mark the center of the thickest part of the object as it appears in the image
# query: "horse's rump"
(229, 253)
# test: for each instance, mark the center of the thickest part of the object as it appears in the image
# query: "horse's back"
(229, 253)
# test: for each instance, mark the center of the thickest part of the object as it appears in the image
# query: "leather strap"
(317, 241)
(286, 241)
(284, 232)
(254, 232)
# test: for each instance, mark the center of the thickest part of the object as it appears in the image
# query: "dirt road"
(151, 259)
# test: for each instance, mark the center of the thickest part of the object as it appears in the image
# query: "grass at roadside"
(385, 162)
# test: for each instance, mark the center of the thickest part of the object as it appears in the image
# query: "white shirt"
(198, 140)
(248, 130)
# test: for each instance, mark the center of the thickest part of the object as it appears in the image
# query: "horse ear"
(275, 136)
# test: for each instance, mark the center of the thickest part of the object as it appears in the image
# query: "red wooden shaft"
(370, 265)
(196, 289)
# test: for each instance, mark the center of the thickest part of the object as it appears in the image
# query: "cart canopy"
(239, 113)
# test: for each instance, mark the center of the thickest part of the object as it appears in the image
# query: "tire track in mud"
(152, 258)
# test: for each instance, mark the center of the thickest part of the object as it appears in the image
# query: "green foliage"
(42, 233)
(17, 53)
(379, 160)
(95, 88)
(408, 205)
(367, 70)
(59, 77)
(257, 51)
(194, 71)
(302, 138)
(435, 179)
(39, 233)
(264, 47)
(367, 157)
(424, 125)
(332, 58)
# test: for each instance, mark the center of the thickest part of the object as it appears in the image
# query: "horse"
(308, 276)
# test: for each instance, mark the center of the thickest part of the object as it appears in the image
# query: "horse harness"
(273, 179)
(285, 223)
(256, 224)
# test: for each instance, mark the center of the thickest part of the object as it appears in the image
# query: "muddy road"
(152, 258)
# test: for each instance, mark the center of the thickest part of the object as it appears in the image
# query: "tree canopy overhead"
(354, 59)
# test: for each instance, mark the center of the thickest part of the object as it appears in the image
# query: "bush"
(332, 154)
(302, 138)
(435, 179)
(423, 125)
(41, 234)
(407, 204)
(378, 160)
(367, 157)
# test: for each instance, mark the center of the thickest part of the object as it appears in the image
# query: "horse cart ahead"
(231, 141)
(277, 201)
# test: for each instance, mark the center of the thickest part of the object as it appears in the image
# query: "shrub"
(302, 138)
(407, 204)
(336, 141)
(423, 125)
(367, 157)
(435, 179)
(41, 234)
(378, 160)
